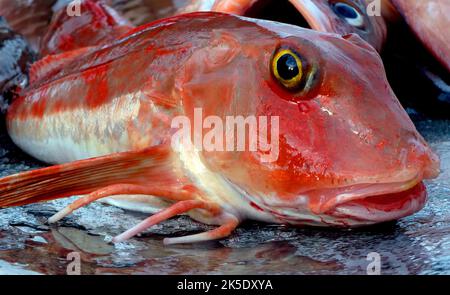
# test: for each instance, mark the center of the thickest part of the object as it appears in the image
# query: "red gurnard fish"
(430, 20)
(348, 153)
(333, 16)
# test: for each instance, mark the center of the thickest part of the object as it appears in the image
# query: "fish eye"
(351, 15)
(287, 67)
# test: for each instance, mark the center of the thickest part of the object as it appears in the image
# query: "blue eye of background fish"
(349, 13)
(345, 10)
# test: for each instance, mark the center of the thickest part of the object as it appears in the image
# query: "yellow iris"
(287, 68)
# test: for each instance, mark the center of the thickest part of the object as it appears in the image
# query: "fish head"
(362, 17)
(335, 147)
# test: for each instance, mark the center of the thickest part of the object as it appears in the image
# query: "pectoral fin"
(152, 167)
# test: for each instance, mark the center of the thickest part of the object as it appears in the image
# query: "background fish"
(32, 18)
(334, 16)
(97, 24)
(28, 18)
(348, 153)
(416, 55)
(430, 20)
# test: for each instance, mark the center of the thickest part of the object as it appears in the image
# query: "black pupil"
(345, 10)
(287, 67)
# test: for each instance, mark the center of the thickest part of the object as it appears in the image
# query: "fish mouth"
(371, 203)
(352, 206)
(324, 200)
(383, 207)
(279, 11)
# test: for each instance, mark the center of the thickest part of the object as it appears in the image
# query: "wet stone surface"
(419, 244)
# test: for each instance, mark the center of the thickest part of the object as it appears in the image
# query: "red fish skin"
(430, 21)
(347, 131)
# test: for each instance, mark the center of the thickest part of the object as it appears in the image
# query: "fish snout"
(433, 169)
(409, 160)
(422, 156)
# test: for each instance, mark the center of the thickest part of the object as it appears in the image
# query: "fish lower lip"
(386, 207)
(344, 195)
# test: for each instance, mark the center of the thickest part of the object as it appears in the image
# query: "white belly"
(77, 134)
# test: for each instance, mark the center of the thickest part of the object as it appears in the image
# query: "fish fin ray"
(175, 194)
(220, 232)
(181, 207)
